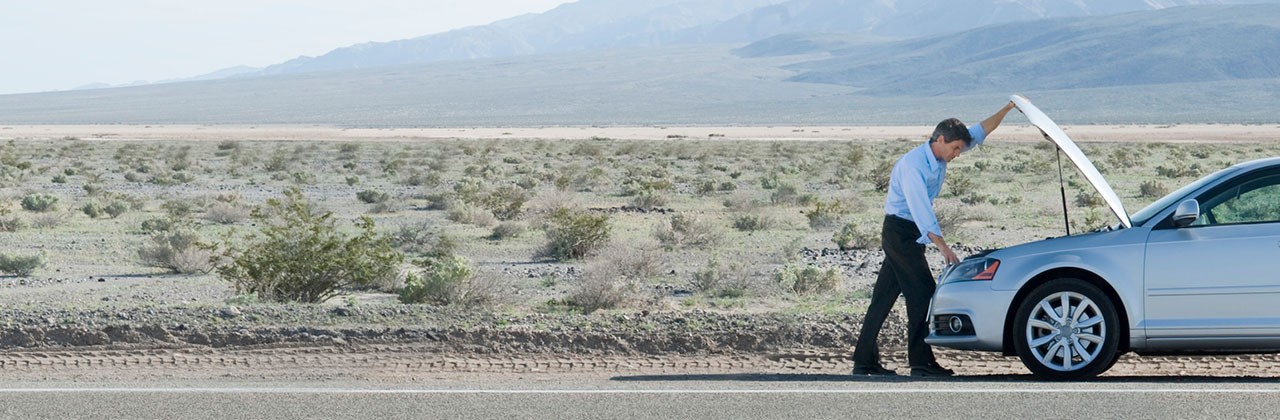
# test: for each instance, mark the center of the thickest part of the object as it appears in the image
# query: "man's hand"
(948, 256)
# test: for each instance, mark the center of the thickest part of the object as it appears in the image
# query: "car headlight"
(976, 269)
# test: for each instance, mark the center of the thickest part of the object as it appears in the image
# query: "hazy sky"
(62, 44)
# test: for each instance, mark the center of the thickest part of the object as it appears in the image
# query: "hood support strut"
(1062, 186)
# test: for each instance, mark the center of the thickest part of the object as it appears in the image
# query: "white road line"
(638, 391)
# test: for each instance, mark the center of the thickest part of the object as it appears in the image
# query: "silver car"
(1197, 271)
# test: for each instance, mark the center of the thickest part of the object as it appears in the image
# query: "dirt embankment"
(638, 333)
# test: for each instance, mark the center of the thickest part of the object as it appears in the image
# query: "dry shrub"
(423, 238)
(825, 214)
(649, 200)
(807, 279)
(1152, 189)
(551, 200)
(603, 286)
(717, 280)
(48, 220)
(226, 213)
(177, 251)
(687, 230)
(20, 266)
(471, 215)
(634, 263)
(507, 230)
(879, 175)
(11, 224)
(386, 207)
(951, 216)
(742, 203)
(855, 236)
(750, 222)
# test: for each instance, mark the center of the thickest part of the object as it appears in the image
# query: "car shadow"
(802, 377)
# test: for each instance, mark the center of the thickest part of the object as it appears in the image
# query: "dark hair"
(953, 130)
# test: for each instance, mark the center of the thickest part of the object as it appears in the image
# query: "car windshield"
(1141, 217)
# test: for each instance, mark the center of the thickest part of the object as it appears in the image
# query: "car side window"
(1254, 201)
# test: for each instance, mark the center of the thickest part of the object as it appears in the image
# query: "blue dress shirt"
(916, 181)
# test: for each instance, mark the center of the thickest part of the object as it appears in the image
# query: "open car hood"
(1055, 134)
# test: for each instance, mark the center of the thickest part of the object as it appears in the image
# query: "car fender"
(1111, 260)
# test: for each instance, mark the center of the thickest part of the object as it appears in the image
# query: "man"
(909, 225)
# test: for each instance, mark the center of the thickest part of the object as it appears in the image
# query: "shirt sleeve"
(916, 193)
(978, 134)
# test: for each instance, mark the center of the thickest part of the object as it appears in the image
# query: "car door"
(1216, 283)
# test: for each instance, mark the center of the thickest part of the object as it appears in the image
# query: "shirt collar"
(932, 162)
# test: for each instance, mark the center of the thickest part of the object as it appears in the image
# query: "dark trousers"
(904, 272)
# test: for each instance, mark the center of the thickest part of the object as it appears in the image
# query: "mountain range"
(1208, 63)
(611, 24)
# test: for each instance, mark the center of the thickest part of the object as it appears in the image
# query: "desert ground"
(721, 241)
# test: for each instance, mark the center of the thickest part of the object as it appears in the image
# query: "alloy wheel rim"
(1065, 331)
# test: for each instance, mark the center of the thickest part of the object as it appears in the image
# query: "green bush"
(39, 203)
(879, 176)
(960, 184)
(448, 280)
(751, 222)
(853, 236)
(116, 208)
(372, 197)
(825, 214)
(507, 230)
(178, 209)
(300, 255)
(1088, 199)
(92, 209)
(20, 266)
(649, 200)
(718, 281)
(1179, 171)
(160, 225)
(1152, 189)
(575, 234)
(177, 251)
(506, 203)
(706, 187)
(805, 279)
(785, 193)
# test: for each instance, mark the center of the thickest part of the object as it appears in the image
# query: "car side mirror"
(1186, 213)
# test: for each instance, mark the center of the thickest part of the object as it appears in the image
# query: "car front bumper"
(981, 312)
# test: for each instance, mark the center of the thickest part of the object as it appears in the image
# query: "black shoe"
(873, 370)
(932, 369)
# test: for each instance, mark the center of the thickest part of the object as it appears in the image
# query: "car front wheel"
(1067, 329)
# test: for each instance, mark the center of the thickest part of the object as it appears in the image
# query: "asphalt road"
(710, 396)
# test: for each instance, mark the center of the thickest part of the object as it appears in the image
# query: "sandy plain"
(140, 308)
(1012, 130)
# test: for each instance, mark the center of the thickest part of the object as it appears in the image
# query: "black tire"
(1081, 345)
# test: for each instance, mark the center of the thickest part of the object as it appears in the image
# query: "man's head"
(949, 139)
